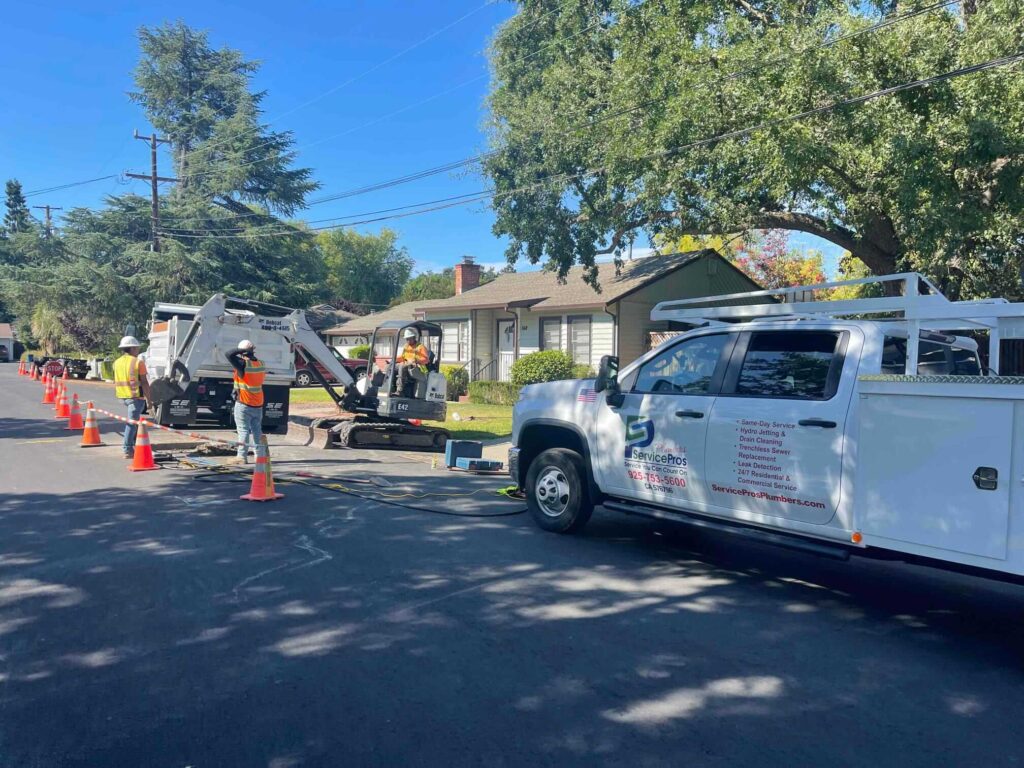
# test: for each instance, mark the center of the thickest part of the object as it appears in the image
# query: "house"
(358, 330)
(6, 343)
(325, 318)
(487, 327)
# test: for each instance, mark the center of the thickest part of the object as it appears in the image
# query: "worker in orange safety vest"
(131, 386)
(248, 411)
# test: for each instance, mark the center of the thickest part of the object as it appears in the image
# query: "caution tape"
(148, 423)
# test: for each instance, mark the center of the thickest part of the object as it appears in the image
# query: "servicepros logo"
(639, 434)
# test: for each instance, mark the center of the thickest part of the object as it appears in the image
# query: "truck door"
(776, 433)
(660, 430)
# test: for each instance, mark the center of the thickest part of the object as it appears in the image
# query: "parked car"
(77, 369)
(305, 378)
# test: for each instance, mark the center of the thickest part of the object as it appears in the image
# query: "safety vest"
(417, 354)
(126, 377)
(249, 386)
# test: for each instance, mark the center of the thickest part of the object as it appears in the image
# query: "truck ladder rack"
(919, 310)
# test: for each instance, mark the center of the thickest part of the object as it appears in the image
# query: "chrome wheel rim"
(552, 491)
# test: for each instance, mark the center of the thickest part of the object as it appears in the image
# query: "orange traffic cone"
(142, 460)
(33, 372)
(75, 415)
(91, 435)
(49, 392)
(61, 409)
(21, 368)
(262, 488)
(65, 376)
(45, 377)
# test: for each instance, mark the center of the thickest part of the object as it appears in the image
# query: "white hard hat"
(245, 345)
(127, 342)
(410, 333)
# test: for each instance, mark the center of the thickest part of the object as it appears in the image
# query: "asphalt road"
(151, 619)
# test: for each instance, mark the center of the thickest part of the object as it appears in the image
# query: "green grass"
(489, 422)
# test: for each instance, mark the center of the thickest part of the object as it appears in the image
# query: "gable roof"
(541, 290)
(363, 326)
(6, 332)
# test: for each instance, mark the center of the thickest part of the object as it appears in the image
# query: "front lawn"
(476, 422)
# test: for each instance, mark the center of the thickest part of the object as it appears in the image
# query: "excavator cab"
(420, 394)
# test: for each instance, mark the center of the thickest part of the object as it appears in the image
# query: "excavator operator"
(413, 360)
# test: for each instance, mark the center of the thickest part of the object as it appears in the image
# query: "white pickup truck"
(802, 423)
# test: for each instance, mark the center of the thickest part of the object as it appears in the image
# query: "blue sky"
(66, 69)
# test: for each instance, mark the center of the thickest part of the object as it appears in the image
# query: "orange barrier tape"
(152, 425)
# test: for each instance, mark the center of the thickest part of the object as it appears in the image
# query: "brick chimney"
(467, 275)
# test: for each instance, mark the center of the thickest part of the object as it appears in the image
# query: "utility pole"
(49, 220)
(154, 180)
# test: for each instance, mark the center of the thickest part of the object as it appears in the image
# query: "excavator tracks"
(389, 434)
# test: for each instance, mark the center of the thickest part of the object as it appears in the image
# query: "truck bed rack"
(919, 306)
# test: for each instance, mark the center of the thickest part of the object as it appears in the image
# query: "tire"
(304, 379)
(556, 491)
(359, 374)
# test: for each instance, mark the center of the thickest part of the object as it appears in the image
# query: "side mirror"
(607, 374)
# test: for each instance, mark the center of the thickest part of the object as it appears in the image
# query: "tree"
(596, 111)
(199, 98)
(436, 285)
(771, 263)
(365, 270)
(17, 218)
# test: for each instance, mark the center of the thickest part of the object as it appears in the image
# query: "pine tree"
(16, 219)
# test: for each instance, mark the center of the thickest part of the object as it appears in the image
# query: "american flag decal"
(586, 396)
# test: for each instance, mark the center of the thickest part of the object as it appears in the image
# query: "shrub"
(493, 392)
(360, 351)
(548, 365)
(458, 379)
(582, 371)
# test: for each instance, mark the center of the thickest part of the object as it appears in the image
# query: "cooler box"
(456, 449)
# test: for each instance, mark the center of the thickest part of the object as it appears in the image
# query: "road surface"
(151, 619)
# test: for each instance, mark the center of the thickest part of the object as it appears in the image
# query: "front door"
(776, 437)
(657, 437)
(506, 348)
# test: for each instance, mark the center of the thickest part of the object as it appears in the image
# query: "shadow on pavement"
(330, 630)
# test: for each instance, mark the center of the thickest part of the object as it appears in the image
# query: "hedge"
(458, 379)
(582, 371)
(360, 351)
(493, 392)
(537, 367)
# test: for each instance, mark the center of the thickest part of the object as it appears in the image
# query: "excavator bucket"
(164, 389)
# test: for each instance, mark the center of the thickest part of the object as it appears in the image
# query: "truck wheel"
(303, 379)
(556, 491)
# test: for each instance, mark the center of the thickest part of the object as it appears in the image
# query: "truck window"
(933, 359)
(788, 364)
(894, 356)
(685, 368)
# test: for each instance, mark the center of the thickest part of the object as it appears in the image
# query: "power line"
(47, 190)
(738, 133)
(416, 176)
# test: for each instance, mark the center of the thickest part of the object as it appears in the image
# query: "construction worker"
(414, 359)
(131, 385)
(249, 375)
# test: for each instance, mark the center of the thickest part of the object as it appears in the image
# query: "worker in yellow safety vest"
(249, 376)
(413, 360)
(131, 386)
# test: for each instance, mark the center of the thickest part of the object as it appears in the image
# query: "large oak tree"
(591, 101)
